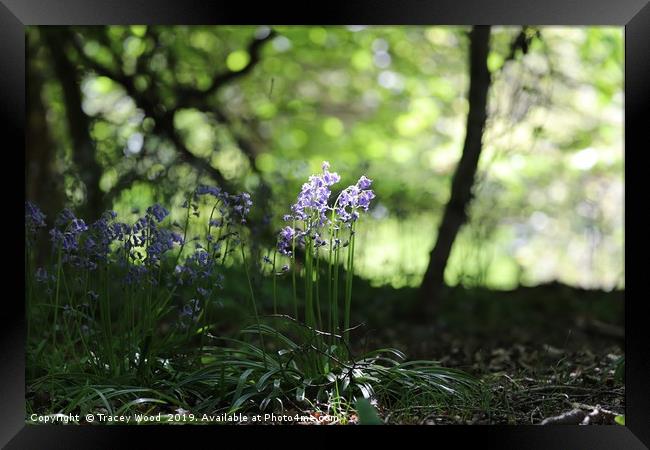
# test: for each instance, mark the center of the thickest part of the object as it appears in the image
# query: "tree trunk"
(44, 186)
(455, 213)
(78, 124)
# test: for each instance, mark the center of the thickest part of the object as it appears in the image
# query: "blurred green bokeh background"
(121, 117)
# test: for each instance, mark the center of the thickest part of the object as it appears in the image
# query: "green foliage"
(390, 101)
(367, 413)
(619, 371)
(123, 320)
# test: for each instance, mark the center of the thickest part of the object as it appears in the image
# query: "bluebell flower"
(140, 224)
(352, 198)
(78, 226)
(364, 183)
(97, 244)
(312, 207)
(209, 190)
(241, 206)
(160, 241)
(232, 207)
(190, 312)
(314, 196)
(285, 241)
(42, 276)
(67, 233)
(34, 217)
(318, 241)
(158, 212)
(198, 266)
(64, 218)
(121, 231)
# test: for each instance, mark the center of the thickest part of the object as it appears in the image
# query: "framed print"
(408, 214)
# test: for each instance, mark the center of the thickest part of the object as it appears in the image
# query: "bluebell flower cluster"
(198, 265)
(210, 190)
(97, 243)
(314, 196)
(199, 268)
(241, 206)
(67, 233)
(353, 198)
(312, 209)
(34, 218)
(147, 233)
(285, 240)
(86, 247)
(161, 241)
(157, 212)
(138, 251)
(233, 208)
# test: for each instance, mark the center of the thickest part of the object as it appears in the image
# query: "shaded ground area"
(540, 351)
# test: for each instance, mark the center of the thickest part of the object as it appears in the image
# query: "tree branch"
(521, 42)
(164, 120)
(193, 96)
(187, 98)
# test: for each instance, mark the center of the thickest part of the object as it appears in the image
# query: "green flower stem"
(225, 251)
(348, 285)
(318, 309)
(187, 223)
(332, 273)
(309, 306)
(330, 316)
(275, 293)
(257, 317)
(56, 295)
(293, 272)
(335, 287)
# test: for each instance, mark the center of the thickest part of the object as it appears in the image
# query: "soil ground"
(540, 351)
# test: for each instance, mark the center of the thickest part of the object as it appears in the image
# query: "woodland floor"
(541, 352)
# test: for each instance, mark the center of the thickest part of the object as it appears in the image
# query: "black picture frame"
(634, 15)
